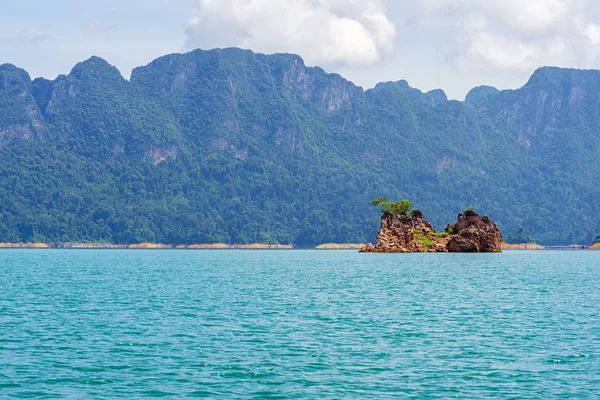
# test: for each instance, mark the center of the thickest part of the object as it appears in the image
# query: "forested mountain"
(233, 146)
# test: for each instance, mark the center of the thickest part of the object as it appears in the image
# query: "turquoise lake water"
(298, 324)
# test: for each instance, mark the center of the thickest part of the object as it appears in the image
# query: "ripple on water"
(298, 324)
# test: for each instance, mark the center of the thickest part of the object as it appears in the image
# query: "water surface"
(298, 324)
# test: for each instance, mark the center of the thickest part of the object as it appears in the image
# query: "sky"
(454, 45)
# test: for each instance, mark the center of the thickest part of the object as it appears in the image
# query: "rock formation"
(414, 234)
(474, 234)
(407, 234)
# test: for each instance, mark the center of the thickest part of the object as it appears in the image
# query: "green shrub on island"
(395, 208)
(597, 240)
(425, 242)
(422, 237)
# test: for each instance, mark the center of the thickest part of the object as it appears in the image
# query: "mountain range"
(232, 146)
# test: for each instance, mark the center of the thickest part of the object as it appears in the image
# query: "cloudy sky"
(449, 44)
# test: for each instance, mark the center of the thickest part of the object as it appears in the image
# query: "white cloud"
(592, 32)
(531, 16)
(501, 52)
(516, 34)
(326, 32)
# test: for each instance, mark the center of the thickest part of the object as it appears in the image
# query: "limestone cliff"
(414, 234)
(474, 234)
(407, 234)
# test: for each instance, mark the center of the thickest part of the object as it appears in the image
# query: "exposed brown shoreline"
(24, 246)
(140, 246)
(325, 246)
(522, 246)
(339, 246)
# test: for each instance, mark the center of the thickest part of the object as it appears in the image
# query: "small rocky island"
(406, 231)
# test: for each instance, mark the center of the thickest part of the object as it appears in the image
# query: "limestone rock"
(414, 234)
(474, 234)
(405, 234)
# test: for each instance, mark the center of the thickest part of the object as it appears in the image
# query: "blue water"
(298, 324)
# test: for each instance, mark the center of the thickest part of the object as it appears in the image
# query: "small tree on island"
(395, 208)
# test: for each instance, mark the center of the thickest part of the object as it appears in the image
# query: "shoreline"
(340, 246)
(225, 246)
(138, 246)
(161, 246)
(522, 246)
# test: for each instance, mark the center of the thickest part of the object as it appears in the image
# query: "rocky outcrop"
(474, 234)
(414, 234)
(407, 234)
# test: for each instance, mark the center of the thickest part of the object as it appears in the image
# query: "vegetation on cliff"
(235, 147)
(390, 207)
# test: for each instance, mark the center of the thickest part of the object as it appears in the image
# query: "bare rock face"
(405, 234)
(474, 234)
(414, 234)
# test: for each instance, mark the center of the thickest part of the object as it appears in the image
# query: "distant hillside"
(237, 147)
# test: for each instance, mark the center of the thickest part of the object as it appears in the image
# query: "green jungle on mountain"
(237, 147)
